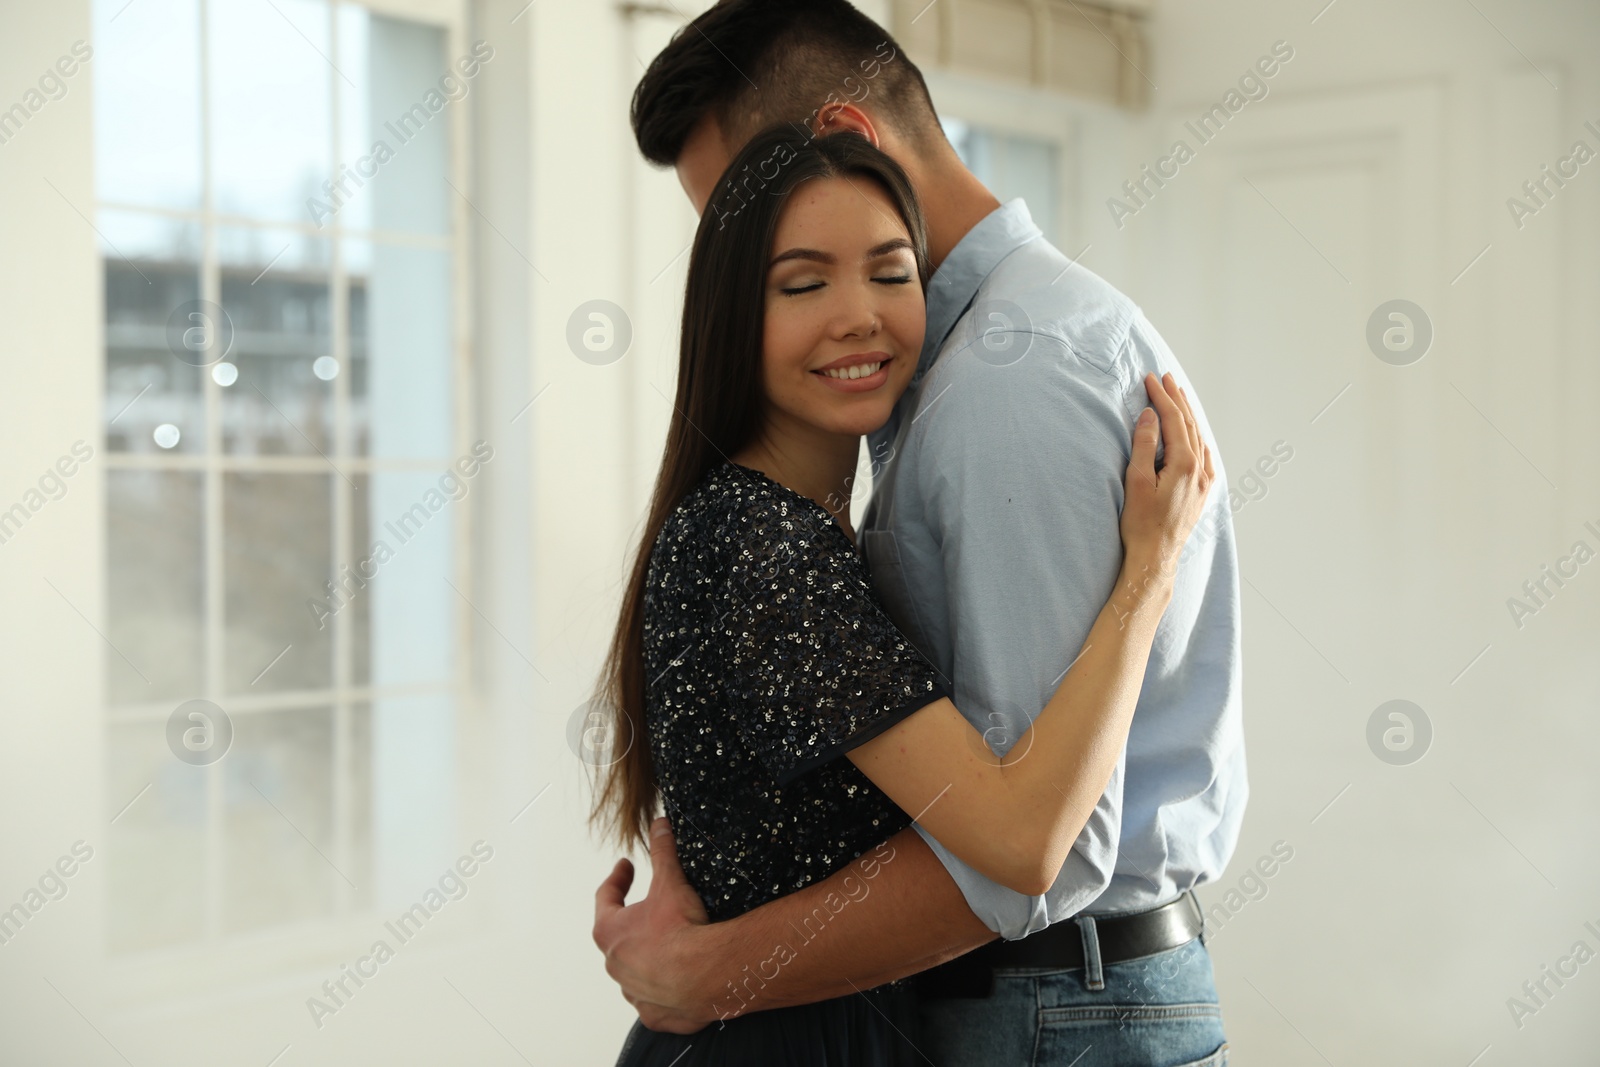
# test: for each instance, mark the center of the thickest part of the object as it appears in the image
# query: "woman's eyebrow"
(828, 257)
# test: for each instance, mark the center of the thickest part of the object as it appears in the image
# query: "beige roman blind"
(1091, 50)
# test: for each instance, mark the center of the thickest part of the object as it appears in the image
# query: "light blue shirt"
(993, 539)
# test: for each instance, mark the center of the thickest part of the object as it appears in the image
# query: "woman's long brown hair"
(720, 405)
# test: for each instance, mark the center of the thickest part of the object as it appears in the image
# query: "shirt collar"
(955, 284)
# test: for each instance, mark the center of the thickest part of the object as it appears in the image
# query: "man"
(992, 536)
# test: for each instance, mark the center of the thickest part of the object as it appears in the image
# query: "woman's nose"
(860, 319)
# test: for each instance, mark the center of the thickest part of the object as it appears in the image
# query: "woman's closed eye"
(899, 280)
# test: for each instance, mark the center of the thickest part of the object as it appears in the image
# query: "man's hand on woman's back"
(647, 944)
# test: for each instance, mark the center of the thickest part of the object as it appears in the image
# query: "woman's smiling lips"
(866, 382)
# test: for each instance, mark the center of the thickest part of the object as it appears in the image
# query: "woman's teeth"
(860, 370)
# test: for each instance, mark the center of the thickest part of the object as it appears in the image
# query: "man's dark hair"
(752, 63)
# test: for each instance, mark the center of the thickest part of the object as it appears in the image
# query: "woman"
(751, 652)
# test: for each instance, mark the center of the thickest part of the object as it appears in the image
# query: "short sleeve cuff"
(914, 703)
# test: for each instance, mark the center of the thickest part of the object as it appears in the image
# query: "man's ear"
(843, 115)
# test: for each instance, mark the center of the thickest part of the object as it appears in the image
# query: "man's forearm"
(892, 912)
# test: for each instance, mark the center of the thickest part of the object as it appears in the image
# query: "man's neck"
(953, 202)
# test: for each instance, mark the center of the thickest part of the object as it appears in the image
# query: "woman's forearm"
(1056, 772)
(1014, 818)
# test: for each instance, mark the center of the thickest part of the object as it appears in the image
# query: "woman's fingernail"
(1147, 416)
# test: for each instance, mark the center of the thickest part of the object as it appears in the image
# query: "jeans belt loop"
(1093, 976)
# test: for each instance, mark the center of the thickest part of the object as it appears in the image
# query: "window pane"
(271, 106)
(358, 271)
(279, 818)
(359, 773)
(275, 292)
(356, 610)
(396, 121)
(360, 158)
(155, 548)
(413, 794)
(401, 405)
(277, 556)
(152, 290)
(402, 530)
(1011, 166)
(156, 880)
(147, 102)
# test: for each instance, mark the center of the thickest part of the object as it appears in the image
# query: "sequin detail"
(767, 656)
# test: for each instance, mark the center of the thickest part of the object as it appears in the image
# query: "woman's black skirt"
(873, 1028)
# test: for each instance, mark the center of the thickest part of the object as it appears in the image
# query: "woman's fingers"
(1194, 421)
(1188, 456)
(1191, 423)
(1187, 451)
(1181, 398)
(1188, 417)
(1142, 464)
(1205, 469)
(1173, 433)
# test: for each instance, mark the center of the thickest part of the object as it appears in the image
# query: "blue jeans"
(1155, 1011)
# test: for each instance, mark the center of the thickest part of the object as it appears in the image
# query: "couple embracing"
(938, 789)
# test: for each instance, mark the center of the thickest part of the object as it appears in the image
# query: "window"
(1011, 165)
(286, 458)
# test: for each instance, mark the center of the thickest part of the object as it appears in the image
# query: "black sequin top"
(767, 657)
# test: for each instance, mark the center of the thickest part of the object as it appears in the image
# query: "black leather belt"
(1059, 946)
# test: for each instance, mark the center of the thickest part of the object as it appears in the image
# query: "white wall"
(50, 684)
(1382, 556)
